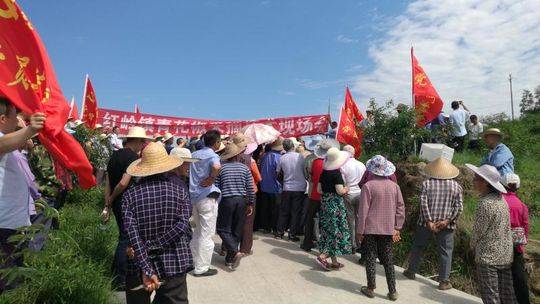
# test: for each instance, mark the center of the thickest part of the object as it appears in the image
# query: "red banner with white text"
(189, 127)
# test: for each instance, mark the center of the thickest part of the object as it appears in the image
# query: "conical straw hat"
(441, 168)
(154, 160)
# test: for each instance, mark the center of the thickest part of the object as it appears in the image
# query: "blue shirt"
(14, 193)
(269, 165)
(200, 171)
(501, 158)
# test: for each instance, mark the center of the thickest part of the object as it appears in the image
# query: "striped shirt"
(440, 199)
(235, 179)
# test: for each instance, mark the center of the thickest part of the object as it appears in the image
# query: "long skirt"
(335, 237)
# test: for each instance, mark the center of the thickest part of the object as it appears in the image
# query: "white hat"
(350, 149)
(335, 159)
(324, 145)
(489, 174)
(183, 154)
(167, 136)
(380, 166)
(511, 178)
(136, 132)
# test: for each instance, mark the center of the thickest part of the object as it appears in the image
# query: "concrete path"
(280, 272)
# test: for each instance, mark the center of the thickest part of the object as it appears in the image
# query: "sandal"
(323, 263)
(336, 266)
(368, 292)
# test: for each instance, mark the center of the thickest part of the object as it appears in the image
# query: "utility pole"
(511, 95)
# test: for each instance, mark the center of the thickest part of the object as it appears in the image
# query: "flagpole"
(71, 108)
(84, 96)
(339, 122)
(412, 77)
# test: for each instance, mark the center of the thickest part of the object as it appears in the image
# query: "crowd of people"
(170, 200)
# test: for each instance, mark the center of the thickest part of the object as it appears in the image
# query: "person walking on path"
(291, 168)
(156, 213)
(335, 238)
(238, 198)
(352, 172)
(458, 119)
(313, 169)
(519, 222)
(441, 203)
(491, 238)
(268, 208)
(116, 182)
(205, 198)
(379, 220)
(499, 155)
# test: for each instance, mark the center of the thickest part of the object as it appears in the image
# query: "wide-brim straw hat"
(492, 131)
(380, 166)
(184, 155)
(136, 132)
(441, 168)
(277, 145)
(154, 160)
(222, 146)
(335, 159)
(167, 136)
(242, 140)
(158, 136)
(324, 145)
(231, 150)
(489, 174)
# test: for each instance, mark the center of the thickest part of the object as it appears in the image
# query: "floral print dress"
(335, 237)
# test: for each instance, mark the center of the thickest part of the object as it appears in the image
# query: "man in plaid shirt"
(441, 202)
(156, 215)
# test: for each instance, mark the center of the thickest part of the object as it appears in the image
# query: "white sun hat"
(335, 159)
(489, 174)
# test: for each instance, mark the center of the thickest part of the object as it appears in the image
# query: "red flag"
(349, 130)
(28, 80)
(90, 107)
(426, 99)
(73, 112)
(138, 114)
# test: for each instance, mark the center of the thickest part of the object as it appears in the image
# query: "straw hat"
(324, 145)
(184, 155)
(335, 159)
(157, 136)
(492, 131)
(154, 160)
(489, 174)
(242, 140)
(380, 166)
(231, 150)
(277, 145)
(221, 147)
(441, 168)
(137, 132)
(167, 136)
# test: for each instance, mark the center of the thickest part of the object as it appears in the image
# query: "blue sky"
(256, 59)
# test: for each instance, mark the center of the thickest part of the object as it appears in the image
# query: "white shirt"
(476, 130)
(458, 119)
(116, 142)
(14, 193)
(352, 172)
(292, 165)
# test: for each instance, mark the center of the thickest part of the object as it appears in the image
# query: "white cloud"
(345, 39)
(319, 84)
(467, 48)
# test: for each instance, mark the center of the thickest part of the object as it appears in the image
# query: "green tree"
(527, 101)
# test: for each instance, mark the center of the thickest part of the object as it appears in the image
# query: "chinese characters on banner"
(190, 127)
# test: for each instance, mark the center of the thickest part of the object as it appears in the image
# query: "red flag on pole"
(349, 131)
(90, 106)
(28, 80)
(73, 112)
(425, 97)
(138, 114)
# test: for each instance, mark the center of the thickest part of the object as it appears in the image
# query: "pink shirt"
(381, 208)
(519, 215)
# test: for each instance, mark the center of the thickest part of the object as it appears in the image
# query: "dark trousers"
(380, 246)
(6, 252)
(174, 291)
(230, 223)
(445, 248)
(458, 143)
(309, 230)
(519, 277)
(290, 212)
(139, 296)
(247, 234)
(120, 260)
(474, 144)
(268, 211)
